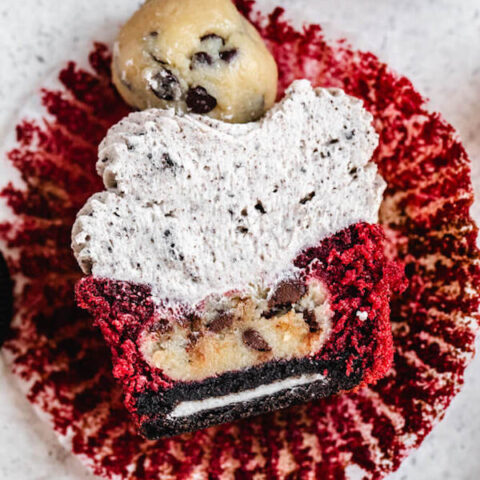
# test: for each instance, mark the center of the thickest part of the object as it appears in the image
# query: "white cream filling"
(185, 409)
(195, 206)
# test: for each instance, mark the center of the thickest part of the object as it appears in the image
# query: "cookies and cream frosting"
(194, 206)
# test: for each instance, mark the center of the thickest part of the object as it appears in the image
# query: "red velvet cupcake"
(66, 370)
(231, 273)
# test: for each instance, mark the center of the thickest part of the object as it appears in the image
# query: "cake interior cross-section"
(236, 269)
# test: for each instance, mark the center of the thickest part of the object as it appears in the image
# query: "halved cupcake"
(236, 269)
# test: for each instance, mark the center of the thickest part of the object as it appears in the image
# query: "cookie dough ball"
(199, 56)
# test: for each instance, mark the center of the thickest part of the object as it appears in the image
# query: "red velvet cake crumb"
(66, 366)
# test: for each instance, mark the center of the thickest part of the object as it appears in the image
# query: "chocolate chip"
(199, 101)
(222, 321)
(311, 320)
(153, 34)
(254, 340)
(244, 212)
(260, 208)
(201, 58)
(333, 141)
(307, 198)
(228, 55)
(242, 229)
(165, 85)
(286, 293)
(212, 36)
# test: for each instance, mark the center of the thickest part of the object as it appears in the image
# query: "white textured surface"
(180, 211)
(434, 42)
(189, 408)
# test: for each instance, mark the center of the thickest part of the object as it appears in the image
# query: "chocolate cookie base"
(154, 408)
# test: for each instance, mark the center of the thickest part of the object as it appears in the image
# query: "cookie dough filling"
(233, 332)
(199, 56)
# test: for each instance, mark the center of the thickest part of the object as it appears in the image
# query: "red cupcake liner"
(64, 365)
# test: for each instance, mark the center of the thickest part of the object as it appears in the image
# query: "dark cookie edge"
(153, 407)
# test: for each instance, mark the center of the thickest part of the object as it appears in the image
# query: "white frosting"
(185, 409)
(183, 210)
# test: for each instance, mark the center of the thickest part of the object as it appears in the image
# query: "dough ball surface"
(198, 56)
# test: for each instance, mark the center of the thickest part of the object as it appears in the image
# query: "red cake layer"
(354, 268)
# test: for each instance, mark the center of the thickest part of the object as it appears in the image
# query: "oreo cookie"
(6, 299)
